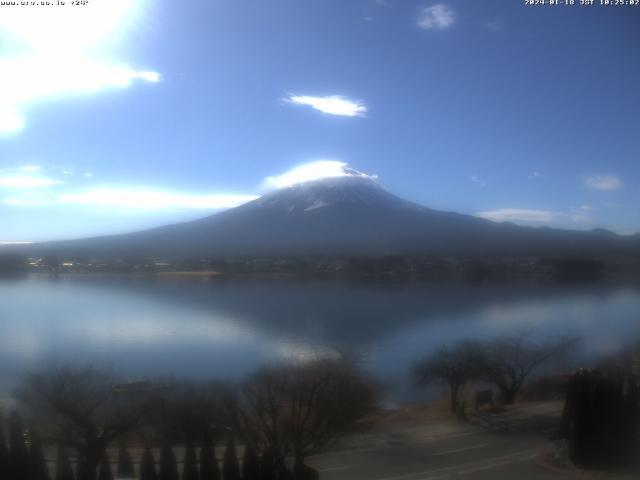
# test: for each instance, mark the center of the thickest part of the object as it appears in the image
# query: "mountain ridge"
(347, 215)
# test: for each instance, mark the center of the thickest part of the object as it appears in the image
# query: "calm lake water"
(148, 326)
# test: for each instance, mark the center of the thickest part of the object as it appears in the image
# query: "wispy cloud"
(26, 177)
(29, 191)
(118, 200)
(144, 199)
(27, 182)
(333, 105)
(603, 183)
(27, 186)
(25, 201)
(581, 215)
(436, 17)
(520, 215)
(478, 181)
(21, 169)
(312, 171)
(30, 168)
(536, 175)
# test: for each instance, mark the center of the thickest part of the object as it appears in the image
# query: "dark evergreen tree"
(89, 460)
(19, 455)
(267, 466)
(230, 465)
(63, 465)
(104, 470)
(168, 468)
(282, 472)
(600, 419)
(148, 466)
(250, 464)
(125, 464)
(39, 470)
(190, 464)
(83, 469)
(4, 456)
(632, 401)
(209, 469)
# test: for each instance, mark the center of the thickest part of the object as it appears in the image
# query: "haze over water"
(149, 326)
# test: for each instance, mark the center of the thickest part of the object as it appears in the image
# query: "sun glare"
(66, 29)
(64, 50)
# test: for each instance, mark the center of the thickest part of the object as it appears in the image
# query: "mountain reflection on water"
(225, 328)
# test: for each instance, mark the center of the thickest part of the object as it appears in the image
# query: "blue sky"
(125, 114)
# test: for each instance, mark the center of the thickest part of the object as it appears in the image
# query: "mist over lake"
(226, 328)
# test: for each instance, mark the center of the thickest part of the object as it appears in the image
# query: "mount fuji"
(350, 214)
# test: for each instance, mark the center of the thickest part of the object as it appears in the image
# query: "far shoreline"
(630, 278)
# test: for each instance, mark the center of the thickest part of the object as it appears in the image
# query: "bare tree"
(327, 399)
(187, 411)
(298, 410)
(256, 411)
(511, 359)
(83, 408)
(453, 366)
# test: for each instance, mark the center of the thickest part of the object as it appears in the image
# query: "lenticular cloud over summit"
(313, 171)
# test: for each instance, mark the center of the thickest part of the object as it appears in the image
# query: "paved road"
(491, 447)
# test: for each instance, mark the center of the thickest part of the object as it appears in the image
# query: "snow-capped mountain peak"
(353, 188)
(321, 169)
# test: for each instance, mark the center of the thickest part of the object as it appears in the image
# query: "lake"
(226, 328)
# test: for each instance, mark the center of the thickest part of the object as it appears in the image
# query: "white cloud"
(603, 183)
(536, 175)
(333, 105)
(124, 199)
(26, 186)
(30, 168)
(24, 202)
(520, 215)
(581, 215)
(436, 17)
(117, 198)
(144, 199)
(27, 182)
(312, 171)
